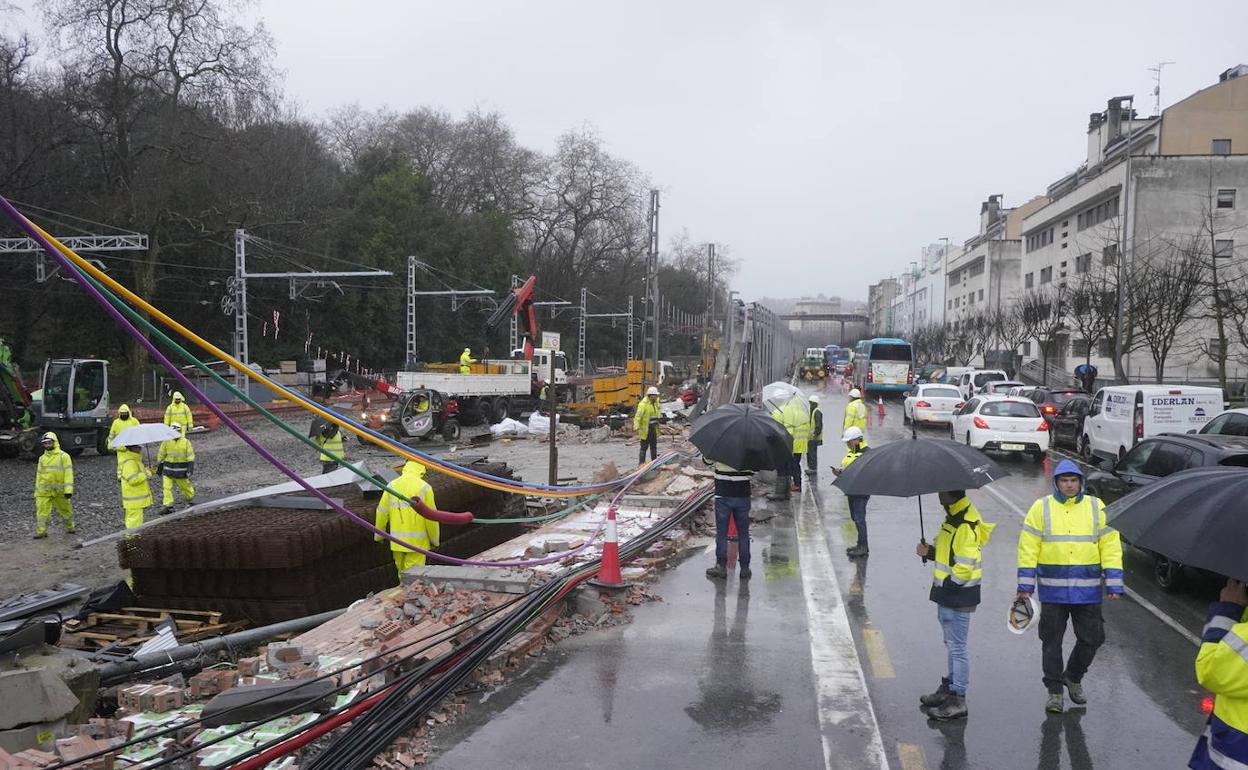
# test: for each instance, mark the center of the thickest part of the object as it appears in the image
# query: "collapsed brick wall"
(265, 565)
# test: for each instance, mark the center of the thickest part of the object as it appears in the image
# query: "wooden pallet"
(132, 626)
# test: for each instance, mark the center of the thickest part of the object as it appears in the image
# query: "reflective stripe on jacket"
(332, 444)
(646, 418)
(855, 417)
(730, 482)
(816, 424)
(119, 425)
(179, 414)
(135, 491)
(401, 519)
(1222, 668)
(958, 556)
(796, 420)
(175, 457)
(1066, 551)
(54, 473)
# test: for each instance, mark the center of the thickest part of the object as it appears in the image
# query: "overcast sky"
(823, 143)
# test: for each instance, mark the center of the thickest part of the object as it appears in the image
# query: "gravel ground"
(224, 465)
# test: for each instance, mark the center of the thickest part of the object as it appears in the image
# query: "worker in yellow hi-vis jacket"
(403, 521)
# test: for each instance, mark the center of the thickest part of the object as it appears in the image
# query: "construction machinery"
(72, 401)
(814, 365)
(420, 413)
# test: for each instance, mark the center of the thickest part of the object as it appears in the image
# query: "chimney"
(1113, 116)
(1095, 121)
(989, 213)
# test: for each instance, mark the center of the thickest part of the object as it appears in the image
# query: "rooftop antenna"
(1157, 87)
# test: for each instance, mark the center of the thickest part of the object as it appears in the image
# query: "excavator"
(72, 401)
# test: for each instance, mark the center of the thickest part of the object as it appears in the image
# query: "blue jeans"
(956, 626)
(739, 509)
(858, 514)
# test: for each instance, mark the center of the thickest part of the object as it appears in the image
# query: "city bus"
(883, 365)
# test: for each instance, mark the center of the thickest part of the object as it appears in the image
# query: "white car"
(972, 381)
(1001, 388)
(1232, 422)
(1003, 424)
(931, 402)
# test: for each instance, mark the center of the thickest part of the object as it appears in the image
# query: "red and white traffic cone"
(732, 542)
(881, 406)
(609, 571)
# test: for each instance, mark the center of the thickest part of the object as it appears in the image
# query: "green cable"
(138, 318)
(549, 516)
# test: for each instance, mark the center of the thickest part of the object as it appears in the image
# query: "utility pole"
(412, 265)
(580, 337)
(515, 319)
(652, 295)
(581, 341)
(630, 330)
(1124, 242)
(235, 303)
(710, 307)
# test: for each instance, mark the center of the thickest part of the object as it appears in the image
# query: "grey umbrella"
(1196, 517)
(919, 466)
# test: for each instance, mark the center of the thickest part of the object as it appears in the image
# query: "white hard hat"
(652, 391)
(852, 433)
(1022, 614)
(49, 436)
(177, 396)
(814, 399)
(855, 393)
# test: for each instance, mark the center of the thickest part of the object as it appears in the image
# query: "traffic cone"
(881, 406)
(732, 542)
(609, 571)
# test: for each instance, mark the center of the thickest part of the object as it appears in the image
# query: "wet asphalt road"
(732, 675)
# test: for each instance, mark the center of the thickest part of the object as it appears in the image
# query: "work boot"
(40, 535)
(938, 697)
(954, 707)
(1056, 703)
(168, 509)
(746, 573)
(856, 551)
(70, 529)
(719, 572)
(1076, 692)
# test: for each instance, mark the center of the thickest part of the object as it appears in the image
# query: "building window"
(970, 298)
(1109, 255)
(949, 304)
(1221, 146)
(1226, 199)
(1080, 348)
(1217, 351)
(1040, 240)
(1083, 263)
(1097, 214)
(981, 295)
(1223, 248)
(1029, 280)
(1105, 348)
(1046, 275)
(1026, 348)
(977, 269)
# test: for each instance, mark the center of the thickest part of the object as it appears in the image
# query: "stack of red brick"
(70, 749)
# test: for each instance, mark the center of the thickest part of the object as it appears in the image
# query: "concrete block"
(284, 655)
(37, 736)
(500, 580)
(33, 695)
(250, 666)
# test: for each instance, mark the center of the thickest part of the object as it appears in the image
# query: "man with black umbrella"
(1067, 551)
(732, 501)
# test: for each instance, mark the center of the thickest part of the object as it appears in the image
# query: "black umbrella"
(1196, 517)
(919, 466)
(743, 436)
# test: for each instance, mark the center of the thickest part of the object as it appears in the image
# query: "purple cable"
(151, 348)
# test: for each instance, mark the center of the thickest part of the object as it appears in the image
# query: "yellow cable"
(312, 406)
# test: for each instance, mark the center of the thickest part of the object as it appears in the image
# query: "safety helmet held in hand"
(852, 433)
(855, 393)
(1022, 614)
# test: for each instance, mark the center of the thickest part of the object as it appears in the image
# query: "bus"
(838, 358)
(883, 365)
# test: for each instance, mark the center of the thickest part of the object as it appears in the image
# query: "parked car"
(1002, 423)
(1232, 422)
(1001, 387)
(1022, 390)
(1066, 426)
(1157, 457)
(931, 402)
(1051, 400)
(972, 382)
(1122, 415)
(929, 373)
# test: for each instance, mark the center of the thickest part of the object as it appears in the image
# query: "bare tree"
(1007, 324)
(1165, 290)
(1093, 304)
(1224, 273)
(1043, 315)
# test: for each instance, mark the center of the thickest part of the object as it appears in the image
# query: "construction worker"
(856, 414)
(816, 437)
(136, 493)
(646, 423)
(785, 415)
(54, 486)
(466, 361)
(855, 447)
(1222, 669)
(123, 420)
(178, 413)
(1066, 549)
(797, 422)
(329, 439)
(956, 579)
(403, 521)
(175, 462)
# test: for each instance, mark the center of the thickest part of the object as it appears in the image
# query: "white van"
(972, 381)
(1121, 415)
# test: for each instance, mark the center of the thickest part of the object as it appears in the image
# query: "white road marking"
(1148, 606)
(843, 703)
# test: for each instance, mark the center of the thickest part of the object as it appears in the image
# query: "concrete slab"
(30, 695)
(500, 580)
